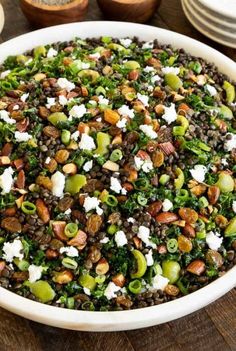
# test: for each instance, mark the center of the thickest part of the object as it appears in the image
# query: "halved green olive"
(89, 74)
(140, 263)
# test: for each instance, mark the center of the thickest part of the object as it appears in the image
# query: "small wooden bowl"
(129, 10)
(47, 15)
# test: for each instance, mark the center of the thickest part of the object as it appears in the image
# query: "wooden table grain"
(212, 328)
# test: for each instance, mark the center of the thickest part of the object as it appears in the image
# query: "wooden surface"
(213, 328)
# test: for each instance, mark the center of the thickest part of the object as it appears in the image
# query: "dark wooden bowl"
(129, 10)
(46, 15)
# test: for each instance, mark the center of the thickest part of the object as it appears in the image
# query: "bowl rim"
(137, 318)
(44, 7)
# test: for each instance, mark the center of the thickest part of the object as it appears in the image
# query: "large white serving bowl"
(139, 318)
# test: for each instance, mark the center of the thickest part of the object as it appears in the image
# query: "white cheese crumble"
(64, 83)
(4, 116)
(145, 165)
(149, 258)
(155, 79)
(144, 99)
(58, 184)
(148, 45)
(174, 70)
(111, 290)
(95, 56)
(148, 69)
(68, 211)
(47, 161)
(125, 42)
(24, 97)
(77, 111)
(159, 282)
(234, 206)
(52, 53)
(131, 220)
(198, 173)
(88, 165)
(148, 130)
(12, 250)
(144, 235)
(6, 180)
(116, 186)
(70, 251)
(122, 123)
(224, 162)
(124, 110)
(211, 90)
(85, 65)
(16, 107)
(35, 273)
(170, 114)
(50, 102)
(62, 100)
(20, 137)
(120, 238)
(230, 144)
(75, 135)
(92, 203)
(214, 241)
(87, 291)
(105, 240)
(87, 142)
(102, 100)
(166, 205)
(4, 74)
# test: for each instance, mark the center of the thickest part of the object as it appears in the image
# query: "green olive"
(40, 51)
(225, 112)
(173, 81)
(140, 263)
(171, 270)
(179, 181)
(225, 182)
(42, 290)
(132, 65)
(74, 183)
(103, 141)
(89, 74)
(116, 47)
(230, 91)
(230, 230)
(22, 59)
(57, 117)
(87, 281)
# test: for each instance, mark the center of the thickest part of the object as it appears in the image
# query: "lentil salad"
(117, 163)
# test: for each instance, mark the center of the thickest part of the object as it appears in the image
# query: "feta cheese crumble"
(155, 79)
(87, 291)
(102, 100)
(35, 273)
(58, 184)
(122, 123)
(47, 161)
(167, 205)
(70, 251)
(131, 220)
(148, 69)
(88, 166)
(68, 211)
(213, 240)
(104, 240)
(50, 102)
(86, 142)
(148, 130)
(62, 100)
(75, 135)
(64, 83)
(230, 144)
(120, 238)
(4, 116)
(144, 99)
(6, 180)
(211, 90)
(168, 69)
(24, 97)
(144, 235)
(111, 290)
(159, 282)
(170, 114)
(149, 258)
(21, 137)
(124, 110)
(12, 250)
(234, 206)
(77, 111)
(148, 45)
(92, 203)
(52, 53)
(4, 74)
(198, 173)
(145, 165)
(125, 42)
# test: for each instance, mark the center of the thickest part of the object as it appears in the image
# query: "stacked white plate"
(1, 18)
(214, 18)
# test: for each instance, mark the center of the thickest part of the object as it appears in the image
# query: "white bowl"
(2, 19)
(139, 318)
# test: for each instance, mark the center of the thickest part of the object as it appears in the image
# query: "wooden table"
(213, 328)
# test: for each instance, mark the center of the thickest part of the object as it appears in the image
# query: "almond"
(4, 160)
(51, 254)
(22, 125)
(166, 217)
(20, 182)
(7, 149)
(111, 166)
(70, 168)
(102, 267)
(63, 277)
(213, 194)
(196, 267)
(9, 212)
(119, 280)
(154, 208)
(133, 75)
(19, 164)
(79, 240)
(11, 224)
(189, 231)
(42, 211)
(58, 228)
